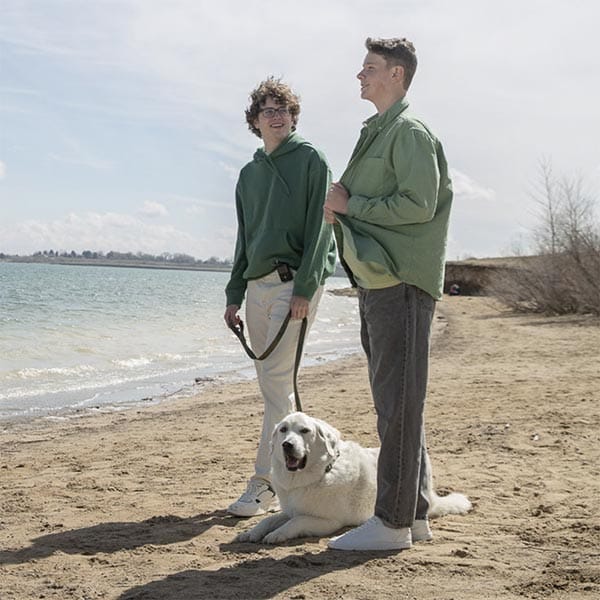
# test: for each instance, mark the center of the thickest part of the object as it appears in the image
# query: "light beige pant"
(267, 305)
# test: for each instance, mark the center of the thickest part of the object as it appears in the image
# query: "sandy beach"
(130, 505)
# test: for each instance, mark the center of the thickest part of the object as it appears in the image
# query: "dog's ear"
(273, 436)
(330, 435)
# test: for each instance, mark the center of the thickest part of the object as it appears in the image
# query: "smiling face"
(275, 129)
(380, 83)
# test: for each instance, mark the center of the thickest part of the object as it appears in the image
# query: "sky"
(122, 121)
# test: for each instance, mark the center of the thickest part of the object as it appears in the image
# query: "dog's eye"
(283, 429)
(305, 430)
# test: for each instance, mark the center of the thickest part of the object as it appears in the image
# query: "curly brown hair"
(396, 51)
(280, 92)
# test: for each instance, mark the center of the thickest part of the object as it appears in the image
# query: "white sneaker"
(373, 535)
(421, 531)
(258, 498)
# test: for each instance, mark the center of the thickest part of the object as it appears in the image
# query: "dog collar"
(330, 465)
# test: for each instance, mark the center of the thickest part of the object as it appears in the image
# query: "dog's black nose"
(287, 446)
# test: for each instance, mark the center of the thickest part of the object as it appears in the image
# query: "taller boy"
(391, 211)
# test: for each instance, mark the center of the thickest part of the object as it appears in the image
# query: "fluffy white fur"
(325, 483)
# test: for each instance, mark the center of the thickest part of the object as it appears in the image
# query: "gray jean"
(395, 333)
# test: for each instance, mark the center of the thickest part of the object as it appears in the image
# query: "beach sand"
(131, 504)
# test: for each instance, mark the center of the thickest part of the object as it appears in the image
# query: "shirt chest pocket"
(370, 178)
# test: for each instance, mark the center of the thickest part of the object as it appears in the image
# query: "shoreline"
(131, 505)
(194, 390)
(127, 396)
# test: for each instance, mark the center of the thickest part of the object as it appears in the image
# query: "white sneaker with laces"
(258, 498)
(420, 530)
(373, 534)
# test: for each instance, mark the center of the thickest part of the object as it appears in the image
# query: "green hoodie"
(400, 198)
(279, 202)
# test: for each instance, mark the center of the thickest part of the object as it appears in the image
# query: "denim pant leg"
(395, 333)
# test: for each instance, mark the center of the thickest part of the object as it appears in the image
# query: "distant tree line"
(165, 257)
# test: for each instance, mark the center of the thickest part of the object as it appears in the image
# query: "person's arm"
(236, 288)
(317, 233)
(417, 181)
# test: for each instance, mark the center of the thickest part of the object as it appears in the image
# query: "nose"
(287, 446)
(360, 74)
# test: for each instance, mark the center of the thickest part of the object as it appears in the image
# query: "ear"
(398, 73)
(273, 436)
(330, 435)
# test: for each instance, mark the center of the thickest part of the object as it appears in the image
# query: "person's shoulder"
(410, 125)
(257, 159)
(247, 168)
(409, 121)
(313, 153)
(248, 174)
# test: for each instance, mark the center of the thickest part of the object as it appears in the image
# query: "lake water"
(78, 338)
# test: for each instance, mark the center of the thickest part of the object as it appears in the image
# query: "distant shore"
(130, 264)
(105, 262)
(472, 276)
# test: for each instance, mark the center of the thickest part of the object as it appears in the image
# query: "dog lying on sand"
(325, 483)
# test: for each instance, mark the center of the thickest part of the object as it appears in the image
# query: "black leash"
(239, 332)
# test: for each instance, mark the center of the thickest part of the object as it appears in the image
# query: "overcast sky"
(122, 124)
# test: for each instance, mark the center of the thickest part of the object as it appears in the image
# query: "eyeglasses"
(269, 113)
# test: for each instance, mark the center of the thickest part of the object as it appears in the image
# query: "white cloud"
(199, 206)
(110, 231)
(75, 152)
(81, 161)
(2, 170)
(479, 220)
(466, 189)
(231, 171)
(153, 210)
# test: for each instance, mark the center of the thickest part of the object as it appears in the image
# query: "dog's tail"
(452, 504)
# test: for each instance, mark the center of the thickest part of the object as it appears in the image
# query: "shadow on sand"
(253, 579)
(113, 537)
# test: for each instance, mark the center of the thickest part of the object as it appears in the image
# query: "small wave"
(168, 356)
(31, 373)
(132, 363)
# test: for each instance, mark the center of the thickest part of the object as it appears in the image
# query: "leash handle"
(238, 330)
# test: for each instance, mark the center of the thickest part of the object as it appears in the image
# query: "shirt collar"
(380, 121)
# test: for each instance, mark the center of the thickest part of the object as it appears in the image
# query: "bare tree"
(564, 275)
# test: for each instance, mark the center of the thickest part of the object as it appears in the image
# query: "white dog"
(325, 483)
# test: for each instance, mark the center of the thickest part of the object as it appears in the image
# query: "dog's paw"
(246, 536)
(275, 537)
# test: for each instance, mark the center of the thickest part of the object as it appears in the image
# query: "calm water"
(77, 338)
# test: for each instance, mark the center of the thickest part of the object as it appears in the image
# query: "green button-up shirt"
(400, 198)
